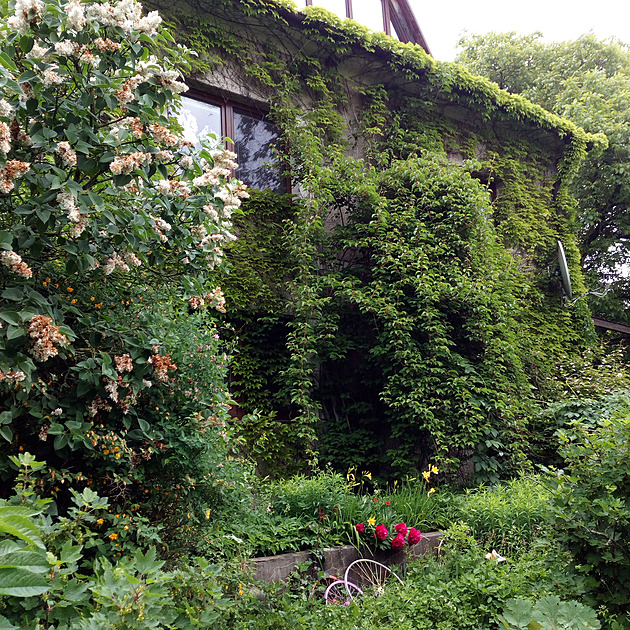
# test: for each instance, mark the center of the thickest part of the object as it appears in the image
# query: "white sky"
(442, 23)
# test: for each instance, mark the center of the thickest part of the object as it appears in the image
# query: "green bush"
(507, 517)
(591, 506)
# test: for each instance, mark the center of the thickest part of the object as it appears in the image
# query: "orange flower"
(113, 536)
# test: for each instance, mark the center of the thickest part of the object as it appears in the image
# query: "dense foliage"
(111, 233)
(588, 81)
(429, 321)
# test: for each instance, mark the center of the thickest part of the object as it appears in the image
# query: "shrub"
(591, 506)
(507, 517)
(111, 236)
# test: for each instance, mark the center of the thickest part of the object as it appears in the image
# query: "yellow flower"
(113, 536)
(100, 521)
(430, 492)
(434, 470)
(368, 475)
(372, 520)
(426, 474)
(207, 513)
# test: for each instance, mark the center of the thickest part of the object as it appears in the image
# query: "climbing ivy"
(407, 308)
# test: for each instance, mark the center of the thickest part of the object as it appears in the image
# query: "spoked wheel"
(369, 574)
(321, 586)
(341, 593)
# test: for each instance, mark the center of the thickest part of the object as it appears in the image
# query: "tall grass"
(507, 517)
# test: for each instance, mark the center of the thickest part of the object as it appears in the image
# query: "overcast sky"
(443, 22)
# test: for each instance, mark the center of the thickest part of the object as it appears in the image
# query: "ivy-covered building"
(394, 298)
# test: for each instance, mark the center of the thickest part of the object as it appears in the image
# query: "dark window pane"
(253, 141)
(199, 119)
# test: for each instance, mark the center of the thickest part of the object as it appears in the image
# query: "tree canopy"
(587, 81)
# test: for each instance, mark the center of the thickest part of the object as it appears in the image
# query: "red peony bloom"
(398, 542)
(380, 532)
(360, 528)
(401, 528)
(414, 536)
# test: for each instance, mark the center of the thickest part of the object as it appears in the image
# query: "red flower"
(401, 528)
(387, 503)
(380, 532)
(360, 527)
(414, 536)
(398, 542)
(375, 499)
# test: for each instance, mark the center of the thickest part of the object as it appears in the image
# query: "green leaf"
(6, 625)
(11, 317)
(6, 238)
(13, 556)
(518, 612)
(60, 442)
(14, 520)
(22, 583)
(6, 433)
(13, 332)
(27, 77)
(13, 294)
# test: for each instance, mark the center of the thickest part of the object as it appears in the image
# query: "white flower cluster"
(79, 221)
(124, 164)
(114, 261)
(38, 52)
(10, 172)
(27, 13)
(160, 226)
(51, 77)
(15, 264)
(214, 298)
(163, 135)
(5, 138)
(127, 14)
(124, 363)
(16, 376)
(173, 187)
(5, 108)
(66, 48)
(44, 334)
(76, 15)
(231, 196)
(67, 154)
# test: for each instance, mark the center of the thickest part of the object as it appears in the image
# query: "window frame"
(227, 107)
(387, 23)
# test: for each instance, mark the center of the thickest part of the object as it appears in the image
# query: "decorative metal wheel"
(370, 575)
(341, 593)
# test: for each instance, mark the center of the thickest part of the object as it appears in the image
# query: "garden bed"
(335, 560)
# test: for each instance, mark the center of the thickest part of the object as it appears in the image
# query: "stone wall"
(335, 561)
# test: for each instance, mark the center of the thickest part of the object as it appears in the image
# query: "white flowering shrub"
(111, 231)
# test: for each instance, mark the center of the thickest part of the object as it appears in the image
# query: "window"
(395, 17)
(253, 137)
(371, 13)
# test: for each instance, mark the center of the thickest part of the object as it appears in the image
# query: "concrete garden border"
(335, 560)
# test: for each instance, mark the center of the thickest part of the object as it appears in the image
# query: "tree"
(588, 81)
(111, 233)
